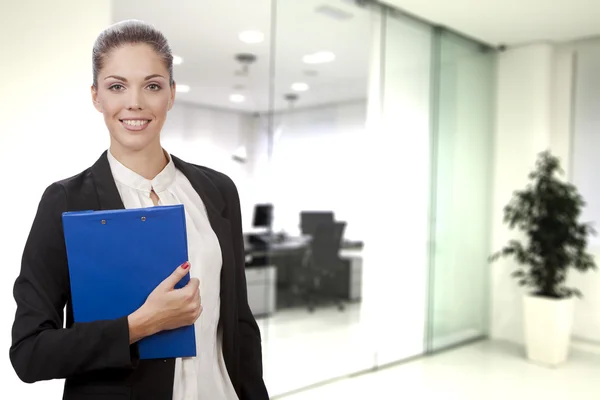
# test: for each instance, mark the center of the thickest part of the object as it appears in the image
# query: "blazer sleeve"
(42, 349)
(251, 369)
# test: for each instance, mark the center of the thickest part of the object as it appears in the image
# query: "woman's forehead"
(138, 59)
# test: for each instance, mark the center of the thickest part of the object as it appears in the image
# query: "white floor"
(302, 348)
(484, 370)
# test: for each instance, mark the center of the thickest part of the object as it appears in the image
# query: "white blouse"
(205, 376)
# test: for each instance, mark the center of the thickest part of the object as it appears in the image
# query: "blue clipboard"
(117, 258)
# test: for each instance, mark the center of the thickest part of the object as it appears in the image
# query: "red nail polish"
(186, 265)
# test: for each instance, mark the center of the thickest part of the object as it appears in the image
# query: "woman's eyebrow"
(125, 80)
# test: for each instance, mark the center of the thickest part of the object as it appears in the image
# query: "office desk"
(353, 281)
(266, 266)
(292, 244)
(270, 271)
(287, 245)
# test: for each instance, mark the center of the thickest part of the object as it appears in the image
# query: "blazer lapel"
(215, 206)
(210, 194)
(108, 194)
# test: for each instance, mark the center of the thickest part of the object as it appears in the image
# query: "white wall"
(315, 165)
(523, 109)
(579, 62)
(209, 137)
(534, 113)
(50, 130)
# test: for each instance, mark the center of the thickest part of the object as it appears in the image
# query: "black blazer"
(96, 358)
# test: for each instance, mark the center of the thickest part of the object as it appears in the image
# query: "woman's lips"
(135, 124)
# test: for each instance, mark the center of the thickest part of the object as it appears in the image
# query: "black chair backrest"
(310, 220)
(327, 240)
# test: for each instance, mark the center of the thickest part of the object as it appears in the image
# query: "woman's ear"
(172, 97)
(95, 99)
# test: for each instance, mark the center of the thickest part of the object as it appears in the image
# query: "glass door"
(462, 137)
(398, 187)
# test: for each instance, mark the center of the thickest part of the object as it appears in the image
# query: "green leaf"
(518, 274)
(577, 293)
(547, 213)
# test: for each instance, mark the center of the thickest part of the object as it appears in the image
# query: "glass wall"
(360, 143)
(316, 129)
(461, 187)
(398, 186)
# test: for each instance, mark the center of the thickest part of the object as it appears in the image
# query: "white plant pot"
(548, 324)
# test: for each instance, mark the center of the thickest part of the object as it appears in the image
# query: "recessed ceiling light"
(177, 60)
(182, 88)
(319, 57)
(237, 98)
(300, 87)
(252, 37)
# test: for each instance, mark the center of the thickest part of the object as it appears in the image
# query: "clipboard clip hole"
(103, 222)
(143, 219)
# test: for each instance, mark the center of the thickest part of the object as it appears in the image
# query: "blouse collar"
(127, 177)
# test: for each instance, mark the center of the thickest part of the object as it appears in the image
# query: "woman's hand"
(167, 308)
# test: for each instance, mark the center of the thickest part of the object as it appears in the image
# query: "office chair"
(319, 276)
(310, 220)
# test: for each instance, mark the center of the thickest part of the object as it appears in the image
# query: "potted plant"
(547, 212)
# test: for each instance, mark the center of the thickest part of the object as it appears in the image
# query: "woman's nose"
(135, 101)
(134, 106)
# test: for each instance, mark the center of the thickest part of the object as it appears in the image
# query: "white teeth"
(138, 122)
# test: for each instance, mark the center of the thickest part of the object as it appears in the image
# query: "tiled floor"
(484, 370)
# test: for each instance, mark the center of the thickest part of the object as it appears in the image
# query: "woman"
(133, 88)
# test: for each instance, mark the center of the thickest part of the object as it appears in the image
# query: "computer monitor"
(263, 216)
(309, 220)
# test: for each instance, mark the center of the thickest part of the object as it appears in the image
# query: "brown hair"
(130, 32)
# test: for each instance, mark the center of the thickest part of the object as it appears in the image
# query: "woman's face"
(134, 94)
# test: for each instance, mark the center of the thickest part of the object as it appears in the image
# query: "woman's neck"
(148, 162)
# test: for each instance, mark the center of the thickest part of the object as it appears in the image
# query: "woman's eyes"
(117, 87)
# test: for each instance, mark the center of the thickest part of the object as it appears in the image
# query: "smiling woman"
(133, 86)
(134, 89)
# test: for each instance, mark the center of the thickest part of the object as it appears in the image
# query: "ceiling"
(205, 35)
(510, 21)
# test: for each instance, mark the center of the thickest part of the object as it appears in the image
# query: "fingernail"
(186, 265)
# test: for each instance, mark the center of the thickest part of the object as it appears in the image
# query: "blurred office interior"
(317, 109)
(373, 151)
